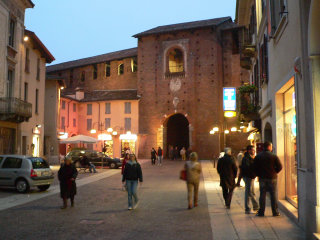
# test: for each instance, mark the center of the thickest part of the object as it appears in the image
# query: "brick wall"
(209, 65)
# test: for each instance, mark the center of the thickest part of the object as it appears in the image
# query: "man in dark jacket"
(267, 166)
(249, 175)
(227, 170)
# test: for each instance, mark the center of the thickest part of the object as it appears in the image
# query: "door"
(10, 170)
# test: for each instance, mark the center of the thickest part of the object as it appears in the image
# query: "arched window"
(175, 61)
(120, 69)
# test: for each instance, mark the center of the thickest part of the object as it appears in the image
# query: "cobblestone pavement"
(101, 212)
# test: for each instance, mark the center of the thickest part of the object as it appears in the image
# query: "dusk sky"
(74, 29)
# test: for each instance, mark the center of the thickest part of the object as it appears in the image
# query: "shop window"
(121, 69)
(108, 69)
(175, 61)
(37, 101)
(290, 143)
(89, 109)
(108, 108)
(95, 71)
(12, 27)
(127, 124)
(25, 91)
(38, 69)
(127, 107)
(89, 124)
(63, 104)
(27, 63)
(107, 123)
(74, 107)
(74, 122)
(83, 76)
(134, 64)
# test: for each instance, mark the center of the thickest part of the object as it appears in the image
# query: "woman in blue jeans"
(131, 174)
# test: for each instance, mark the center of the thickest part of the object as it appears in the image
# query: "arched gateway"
(177, 132)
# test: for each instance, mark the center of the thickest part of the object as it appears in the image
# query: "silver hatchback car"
(23, 172)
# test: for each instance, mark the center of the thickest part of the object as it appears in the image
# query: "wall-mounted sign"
(229, 99)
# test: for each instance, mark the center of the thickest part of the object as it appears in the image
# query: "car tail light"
(33, 173)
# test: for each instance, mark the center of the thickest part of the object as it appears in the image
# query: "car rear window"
(39, 163)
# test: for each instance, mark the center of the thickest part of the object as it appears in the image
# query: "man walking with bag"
(249, 175)
(267, 166)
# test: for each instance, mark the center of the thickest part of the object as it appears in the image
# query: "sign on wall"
(229, 99)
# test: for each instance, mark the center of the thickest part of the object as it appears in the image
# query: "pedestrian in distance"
(86, 163)
(160, 155)
(227, 170)
(175, 153)
(153, 156)
(125, 160)
(67, 175)
(248, 174)
(193, 170)
(239, 160)
(183, 153)
(171, 153)
(267, 166)
(132, 173)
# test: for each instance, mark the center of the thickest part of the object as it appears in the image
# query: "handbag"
(183, 175)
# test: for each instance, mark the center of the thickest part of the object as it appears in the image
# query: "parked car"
(95, 157)
(24, 172)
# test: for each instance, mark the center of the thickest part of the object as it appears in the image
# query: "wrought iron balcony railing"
(14, 110)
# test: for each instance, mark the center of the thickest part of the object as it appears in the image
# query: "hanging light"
(233, 129)
(216, 129)
(93, 131)
(226, 131)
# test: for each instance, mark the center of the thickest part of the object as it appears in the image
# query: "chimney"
(79, 93)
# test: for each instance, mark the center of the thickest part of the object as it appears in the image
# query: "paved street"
(101, 211)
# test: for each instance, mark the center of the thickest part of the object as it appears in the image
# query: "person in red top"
(125, 160)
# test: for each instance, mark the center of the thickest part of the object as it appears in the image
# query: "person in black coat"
(227, 170)
(153, 156)
(67, 175)
(132, 173)
(267, 166)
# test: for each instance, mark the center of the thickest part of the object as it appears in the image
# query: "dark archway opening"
(268, 133)
(177, 132)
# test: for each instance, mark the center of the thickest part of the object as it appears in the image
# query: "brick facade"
(211, 61)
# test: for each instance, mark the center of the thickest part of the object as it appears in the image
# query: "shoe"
(130, 208)
(259, 215)
(277, 214)
(136, 205)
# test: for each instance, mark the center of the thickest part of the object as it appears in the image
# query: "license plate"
(45, 173)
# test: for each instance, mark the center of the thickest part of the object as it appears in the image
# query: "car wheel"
(43, 187)
(113, 165)
(22, 186)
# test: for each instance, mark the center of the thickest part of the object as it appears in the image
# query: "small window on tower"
(134, 64)
(175, 59)
(108, 70)
(120, 69)
(83, 76)
(95, 71)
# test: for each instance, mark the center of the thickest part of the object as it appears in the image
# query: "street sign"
(229, 99)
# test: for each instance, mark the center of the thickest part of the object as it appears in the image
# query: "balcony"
(15, 110)
(249, 109)
(174, 74)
